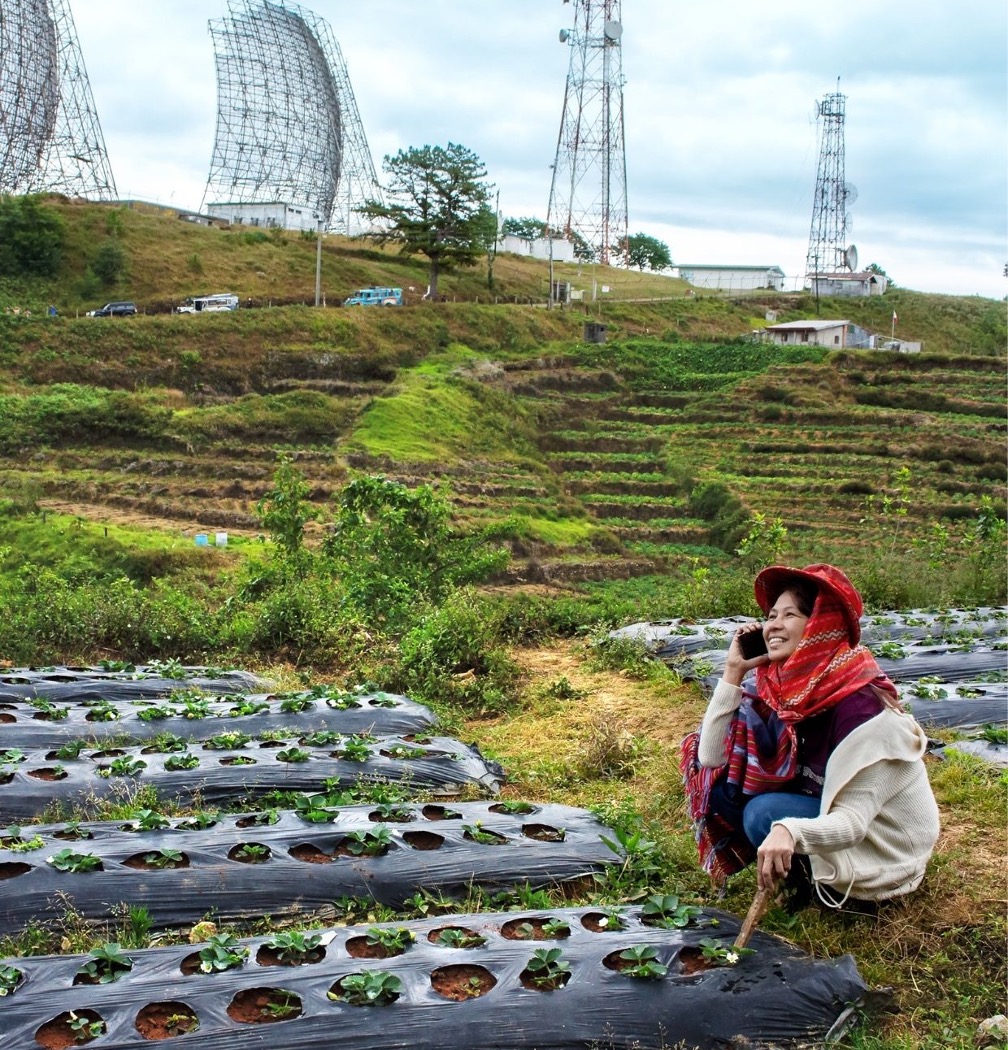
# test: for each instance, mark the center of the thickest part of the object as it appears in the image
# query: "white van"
(209, 304)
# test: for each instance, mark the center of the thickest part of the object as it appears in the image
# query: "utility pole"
(318, 265)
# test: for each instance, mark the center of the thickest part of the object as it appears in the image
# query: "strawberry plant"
(221, 952)
(454, 937)
(227, 742)
(48, 711)
(67, 860)
(643, 962)
(396, 939)
(294, 944)
(106, 964)
(547, 968)
(293, 754)
(372, 988)
(123, 766)
(355, 749)
(722, 954)
(297, 702)
(148, 820)
(9, 978)
(180, 762)
(247, 706)
(164, 858)
(84, 1029)
(477, 833)
(665, 910)
(198, 821)
(368, 843)
(314, 809)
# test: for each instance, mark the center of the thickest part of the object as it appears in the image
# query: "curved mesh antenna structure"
(833, 195)
(50, 138)
(278, 109)
(588, 198)
(358, 181)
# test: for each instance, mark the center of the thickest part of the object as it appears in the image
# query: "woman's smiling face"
(784, 627)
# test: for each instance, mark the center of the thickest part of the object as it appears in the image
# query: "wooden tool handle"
(758, 908)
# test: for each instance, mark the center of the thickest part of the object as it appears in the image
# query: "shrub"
(31, 238)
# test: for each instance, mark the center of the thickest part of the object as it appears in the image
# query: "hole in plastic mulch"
(166, 1020)
(423, 840)
(462, 982)
(309, 853)
(264, 1006)
(70, 1028)
(533, 929)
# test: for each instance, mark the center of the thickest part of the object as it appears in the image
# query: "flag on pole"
(894, 317)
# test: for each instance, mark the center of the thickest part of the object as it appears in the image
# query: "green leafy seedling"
(85, 1030)
(547, 967)
(107, 963)
(372, 988)
(394, 939)
(68, 860)
(221, 952)
(368, 843)
(164, 858)
(456, 938)
(722, 954)
(644, 963)
(10, 977)
(294, 944)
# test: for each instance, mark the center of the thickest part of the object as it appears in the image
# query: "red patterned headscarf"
(828, 663)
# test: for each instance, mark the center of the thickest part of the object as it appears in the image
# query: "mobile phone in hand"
(752, 644)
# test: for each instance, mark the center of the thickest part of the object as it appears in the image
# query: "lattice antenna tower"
(831, 221)
(358, 180)
(588, 198)
(50, 137)
(279, 125)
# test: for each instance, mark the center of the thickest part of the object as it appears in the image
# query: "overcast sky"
(719, 109)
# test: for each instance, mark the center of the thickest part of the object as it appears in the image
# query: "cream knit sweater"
(879, 820)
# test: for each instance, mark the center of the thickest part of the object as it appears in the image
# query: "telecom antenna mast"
(588, 199)
(50, 138)
(831, 221)
(358, 180)
(279, 118)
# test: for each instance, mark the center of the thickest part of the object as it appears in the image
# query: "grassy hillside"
(606, 461)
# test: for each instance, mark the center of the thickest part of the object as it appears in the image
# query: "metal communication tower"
(279, 121)
(828, 251)
(50, 138)
(358, 180)
(588, 199)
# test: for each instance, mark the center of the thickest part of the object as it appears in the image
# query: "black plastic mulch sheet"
(45, 723)
(958, 705)
(96, 683)
(306, 865)
(677, 638)
(33, 780)
(778, 996)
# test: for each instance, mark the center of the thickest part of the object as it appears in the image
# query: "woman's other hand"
(736, 665)
(773, 858)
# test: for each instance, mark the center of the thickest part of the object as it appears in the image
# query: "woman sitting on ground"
(819, 776)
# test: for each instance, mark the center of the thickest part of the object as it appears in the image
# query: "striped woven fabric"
(762, 756)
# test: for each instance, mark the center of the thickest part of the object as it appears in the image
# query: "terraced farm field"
(600, 458)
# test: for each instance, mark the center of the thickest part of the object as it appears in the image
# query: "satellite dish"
(850, 257)
(850, 192)
(613, 30)
(848, 222)
(564, 36)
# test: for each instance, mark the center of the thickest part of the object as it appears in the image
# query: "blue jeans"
(762, 810)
